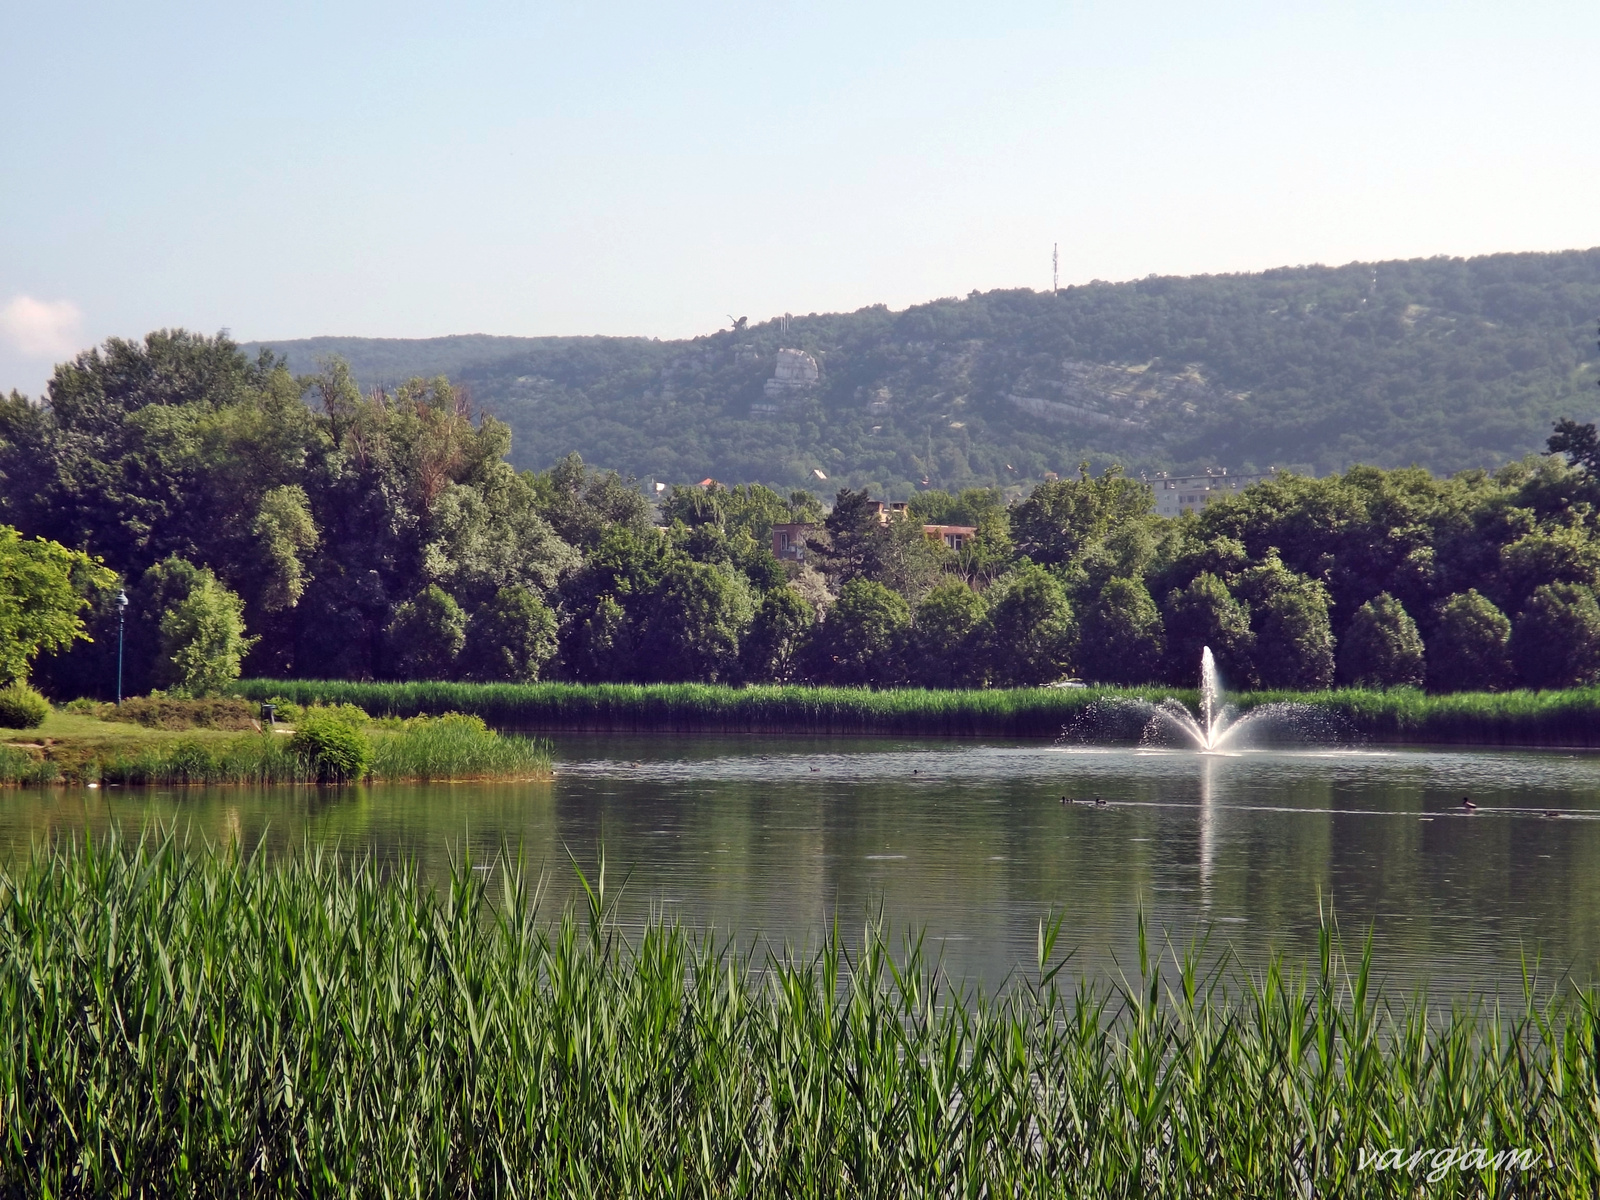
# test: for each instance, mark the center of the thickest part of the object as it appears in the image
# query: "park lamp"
(122, 611)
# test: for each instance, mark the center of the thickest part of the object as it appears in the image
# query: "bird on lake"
(816, 768)
(1466, 803)
(1099, 803)
(1551, 813)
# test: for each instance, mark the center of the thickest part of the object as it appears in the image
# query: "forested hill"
(1449, 363)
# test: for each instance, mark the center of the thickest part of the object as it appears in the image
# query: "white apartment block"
(1178, 494)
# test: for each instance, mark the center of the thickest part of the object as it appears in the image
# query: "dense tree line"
(303, 528)
(1449, 363)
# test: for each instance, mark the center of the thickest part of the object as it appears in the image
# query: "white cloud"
(41, 328)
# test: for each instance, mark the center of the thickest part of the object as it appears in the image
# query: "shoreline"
(75, 750)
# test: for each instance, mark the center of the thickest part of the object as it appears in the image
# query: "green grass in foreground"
(206, 1025)
(72, 748)
(1567, 718)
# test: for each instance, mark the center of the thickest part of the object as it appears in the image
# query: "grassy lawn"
(62, 726)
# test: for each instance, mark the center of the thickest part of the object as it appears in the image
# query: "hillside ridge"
(1447, 362)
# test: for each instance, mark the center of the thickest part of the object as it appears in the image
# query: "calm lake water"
(969, 841)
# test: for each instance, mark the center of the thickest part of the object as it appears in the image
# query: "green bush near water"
(213, 1025)
(1402, 715)
(333, 747)
(21, 707)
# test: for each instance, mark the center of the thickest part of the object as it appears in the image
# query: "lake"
(970, 842)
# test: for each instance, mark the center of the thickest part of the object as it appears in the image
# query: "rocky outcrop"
(795, 374)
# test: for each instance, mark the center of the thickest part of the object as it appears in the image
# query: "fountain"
(1218, 728)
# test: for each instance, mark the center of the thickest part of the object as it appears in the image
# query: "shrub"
(1382, 647)
(21, 707)
(332, 746)
(158, 711)
(1469, 649)
(286, 711)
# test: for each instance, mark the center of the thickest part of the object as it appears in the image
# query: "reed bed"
(203, 1024)
(17, 766)
(1563, 718)
(704, 707)
(456, 748)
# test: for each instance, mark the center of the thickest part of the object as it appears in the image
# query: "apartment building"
(1178, 494)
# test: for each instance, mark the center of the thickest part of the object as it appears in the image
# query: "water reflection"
(1208, 827)
(971, 842)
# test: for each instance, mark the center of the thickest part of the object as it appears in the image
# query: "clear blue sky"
(405, 170)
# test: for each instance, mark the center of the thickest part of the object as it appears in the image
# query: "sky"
(412, 170)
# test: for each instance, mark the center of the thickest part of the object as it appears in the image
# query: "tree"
(773, 648)
(1060, 521)
(1555, 642)
(1122, 640)
(852, 538)
(693, 623)
(287, 535)
(752, 508)
(604, 650)
(908, 560)
(1579, 443)
(1202, 614)
(1382, 648)
(861, 642)
(1289, 618)
(42, 599)
(427, 634)
(583, 504)
(1031, 634)
(1556, 554)
(510, 638)
(203, 639)
(1470, 647)
(947, 637)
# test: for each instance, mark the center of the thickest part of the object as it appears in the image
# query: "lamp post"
(122, 612)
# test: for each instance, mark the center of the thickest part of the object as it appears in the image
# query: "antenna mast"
(1055, 267)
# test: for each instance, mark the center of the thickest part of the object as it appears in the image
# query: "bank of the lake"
(311, 1025)
(1402, 716)
(83, 747)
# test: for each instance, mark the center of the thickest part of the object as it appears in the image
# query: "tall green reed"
(1566, 718)
(209, 1023)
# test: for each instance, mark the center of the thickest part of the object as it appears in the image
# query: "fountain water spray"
(1217, 728)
